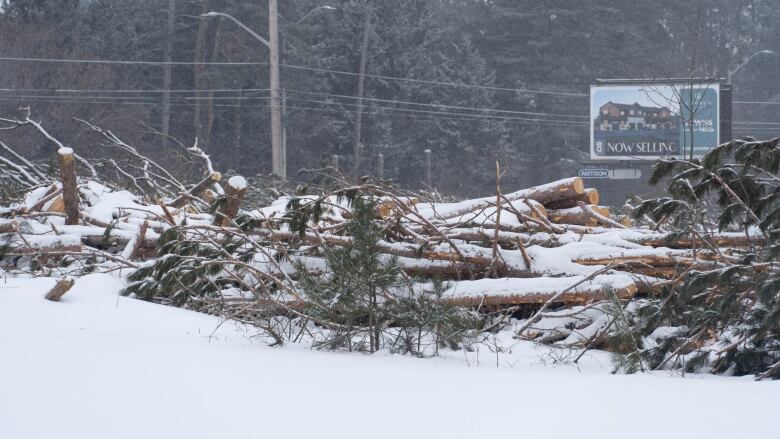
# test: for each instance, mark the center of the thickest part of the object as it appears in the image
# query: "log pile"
(524, 247)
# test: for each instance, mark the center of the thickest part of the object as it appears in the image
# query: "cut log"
(70, 192)
(508, 292)
(52, 193)
(590, 196)
(63, 285)
(138, 244)
(8, 226)
(196, 190)
(552, 192)
(17, 243)
(575, 215)
(56, 204)
(234, 193)
(589, 210)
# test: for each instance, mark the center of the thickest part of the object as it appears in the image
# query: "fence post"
(428, 167)
(335, 164)
(380, 167)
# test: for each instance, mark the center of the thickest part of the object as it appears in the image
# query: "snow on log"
(551, 192)
(517, 291)
(63, 285)
(32, 244)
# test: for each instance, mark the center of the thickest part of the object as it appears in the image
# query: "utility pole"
(278, 153)
(358, 150)
(278, 145)
(167, 74)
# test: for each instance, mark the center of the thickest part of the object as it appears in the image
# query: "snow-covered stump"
(63, 285)
(70, 191)
(234, 193)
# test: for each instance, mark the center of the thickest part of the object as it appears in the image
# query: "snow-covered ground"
(96, 365)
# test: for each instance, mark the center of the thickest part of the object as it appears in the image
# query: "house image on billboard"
(633, 117)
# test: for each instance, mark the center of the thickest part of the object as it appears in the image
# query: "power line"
(448, 84)
(369, 112)
(756, 123)
(291, 66)
(471, 115)
(130, 62)
(104, 90)
(529, 113)
(755, 103)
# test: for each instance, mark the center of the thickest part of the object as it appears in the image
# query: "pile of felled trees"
(551, 243)
(546, 244)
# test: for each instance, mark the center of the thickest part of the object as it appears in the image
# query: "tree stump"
(236, 186)
(70, 191)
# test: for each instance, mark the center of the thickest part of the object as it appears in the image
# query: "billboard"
(653, 120)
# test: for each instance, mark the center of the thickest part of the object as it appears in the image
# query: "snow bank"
(98, 366)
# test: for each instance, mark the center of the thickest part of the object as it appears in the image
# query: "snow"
(237, 182)
(65, 151)
(106, 204)
(95, 365)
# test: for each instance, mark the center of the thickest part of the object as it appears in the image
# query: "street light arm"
(731, 73)
(325, 7)
(240, 24)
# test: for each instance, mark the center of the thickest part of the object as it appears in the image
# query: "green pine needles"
(371, 303)
(726, 319)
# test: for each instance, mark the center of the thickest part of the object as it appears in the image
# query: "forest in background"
(473, 81)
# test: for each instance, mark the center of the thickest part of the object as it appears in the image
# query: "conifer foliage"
(726, 319)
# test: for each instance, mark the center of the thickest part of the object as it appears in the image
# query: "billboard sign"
(653, 120)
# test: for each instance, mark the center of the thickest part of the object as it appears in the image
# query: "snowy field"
(96, 365)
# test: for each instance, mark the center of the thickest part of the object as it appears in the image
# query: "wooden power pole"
(278, 153)
(358, 150)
